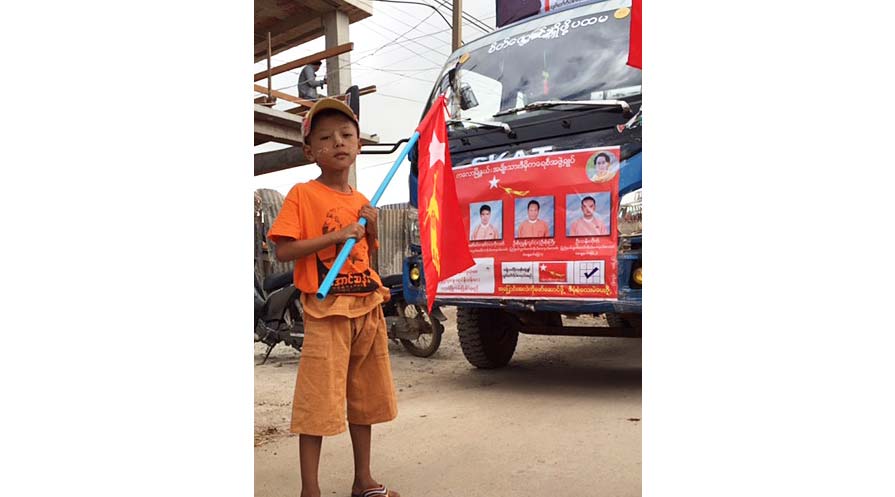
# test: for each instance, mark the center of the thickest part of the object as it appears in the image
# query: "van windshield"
(575, 54)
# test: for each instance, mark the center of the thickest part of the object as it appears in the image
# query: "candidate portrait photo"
(534, 217)
(588, 214)
(486, 220)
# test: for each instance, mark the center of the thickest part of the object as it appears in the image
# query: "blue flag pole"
(349, 244)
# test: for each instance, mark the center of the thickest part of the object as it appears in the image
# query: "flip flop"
(380, 491)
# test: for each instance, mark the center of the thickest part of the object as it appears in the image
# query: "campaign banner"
(540, 227)
(510, 11)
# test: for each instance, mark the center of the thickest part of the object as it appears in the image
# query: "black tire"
(266, 262)
(427, 343)
(293, 321)
(488, 337)
(617, 320)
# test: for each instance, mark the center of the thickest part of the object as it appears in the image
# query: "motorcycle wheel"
(294, 325)
(427, 343)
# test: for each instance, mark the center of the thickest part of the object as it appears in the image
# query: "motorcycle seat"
(277, 281)
(393, 280)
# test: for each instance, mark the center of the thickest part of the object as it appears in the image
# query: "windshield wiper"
(490, 124)
(546, 104)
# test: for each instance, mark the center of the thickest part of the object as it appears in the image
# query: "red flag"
(635, 46)
(442, 235)
(553, 272)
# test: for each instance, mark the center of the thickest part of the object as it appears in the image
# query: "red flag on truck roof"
(635, 45)
(442, 233)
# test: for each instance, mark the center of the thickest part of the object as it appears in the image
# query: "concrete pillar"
(338, 74)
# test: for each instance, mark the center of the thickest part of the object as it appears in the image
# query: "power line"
(400, 98)
(371, 21)
(420, 54)
(395, 41)
(419, 3)
(468, 17)
(400, 75)
(429, 34)
(404, 14)
(426, 49)
(481, 22)
(401, 70)
(399, 46)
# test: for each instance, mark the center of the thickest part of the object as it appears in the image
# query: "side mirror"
(467, 97)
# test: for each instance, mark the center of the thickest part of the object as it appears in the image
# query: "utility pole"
(457, 25)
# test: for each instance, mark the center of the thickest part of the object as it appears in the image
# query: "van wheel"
(617, 320)
(488, 337)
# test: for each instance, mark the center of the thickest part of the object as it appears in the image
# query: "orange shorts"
(344, 362)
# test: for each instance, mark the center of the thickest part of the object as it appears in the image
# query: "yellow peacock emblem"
(432, 217)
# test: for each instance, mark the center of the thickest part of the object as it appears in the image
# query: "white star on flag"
(543, 267)
(436, 150)
(493, 182)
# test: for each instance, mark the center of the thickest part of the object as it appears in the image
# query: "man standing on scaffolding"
(307, 81)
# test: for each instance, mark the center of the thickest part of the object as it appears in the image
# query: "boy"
(344, 357)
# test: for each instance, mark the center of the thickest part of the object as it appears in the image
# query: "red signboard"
(510, 11)
(540, 227)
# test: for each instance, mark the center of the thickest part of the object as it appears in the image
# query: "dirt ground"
(562, 419)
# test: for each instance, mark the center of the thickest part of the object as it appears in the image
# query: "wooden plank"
(278, 160)
(283, 127)
(329, 52)
(301, 109)
(284, 33)
(285, 96)
(262, 113)
(287, 158)
(277, 133)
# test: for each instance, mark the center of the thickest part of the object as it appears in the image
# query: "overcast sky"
(403, 72)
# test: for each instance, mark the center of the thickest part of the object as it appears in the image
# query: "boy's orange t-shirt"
(311, 210)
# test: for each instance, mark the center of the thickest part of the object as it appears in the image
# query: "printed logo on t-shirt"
(355, 275)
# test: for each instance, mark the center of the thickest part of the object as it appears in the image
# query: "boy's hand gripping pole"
(346, 249)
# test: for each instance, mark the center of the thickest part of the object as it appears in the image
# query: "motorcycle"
(278, 313)
(279, 317)
(410, 324)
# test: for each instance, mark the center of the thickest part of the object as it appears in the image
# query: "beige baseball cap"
(323, 104)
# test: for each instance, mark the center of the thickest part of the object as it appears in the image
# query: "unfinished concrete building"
(284, 24)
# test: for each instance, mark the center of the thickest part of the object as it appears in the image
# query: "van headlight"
(413, 226)
(630, 214)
